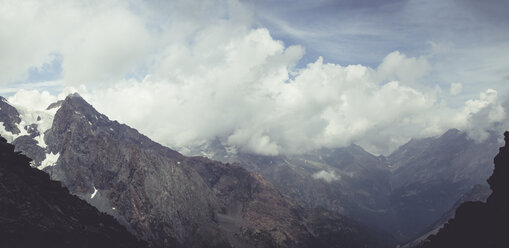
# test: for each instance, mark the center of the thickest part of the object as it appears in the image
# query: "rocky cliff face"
(9, 117)
(175, 201)
(38, 212)
(145, 185)
(478, 224)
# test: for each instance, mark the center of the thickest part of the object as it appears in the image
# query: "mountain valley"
(403, 193)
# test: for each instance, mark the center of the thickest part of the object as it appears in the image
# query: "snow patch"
(10, 137)
(326, 176)
(209, 155)
(93, 194)
(51, 160)
(42, 118)
(6, 134)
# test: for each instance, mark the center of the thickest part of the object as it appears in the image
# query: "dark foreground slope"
(478, 224)
(38, 212)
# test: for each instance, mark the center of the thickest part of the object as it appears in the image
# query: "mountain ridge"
(404, 192)
(169, 199)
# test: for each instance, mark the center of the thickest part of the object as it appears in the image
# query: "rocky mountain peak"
(81, 107)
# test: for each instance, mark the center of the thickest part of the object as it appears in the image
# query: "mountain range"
(403, 193)
(163, 197)
(250, 200)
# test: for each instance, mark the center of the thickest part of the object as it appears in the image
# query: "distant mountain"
(478, 193)
(166, 198)
(403, 193)
(38, 212)
(431, 175)
(478, 224)
(346, 180)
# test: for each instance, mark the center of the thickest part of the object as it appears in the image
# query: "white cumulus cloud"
(32, 99)
(188, 72)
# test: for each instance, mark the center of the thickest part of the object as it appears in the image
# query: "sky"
(266, 77)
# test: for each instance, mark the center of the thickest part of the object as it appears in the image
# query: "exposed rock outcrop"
(9, 116)
(29, 147)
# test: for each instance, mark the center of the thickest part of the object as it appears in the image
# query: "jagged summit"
(78, 101)
(75, 94)
(478, 224)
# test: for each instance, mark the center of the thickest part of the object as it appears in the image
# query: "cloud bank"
(187, 79)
